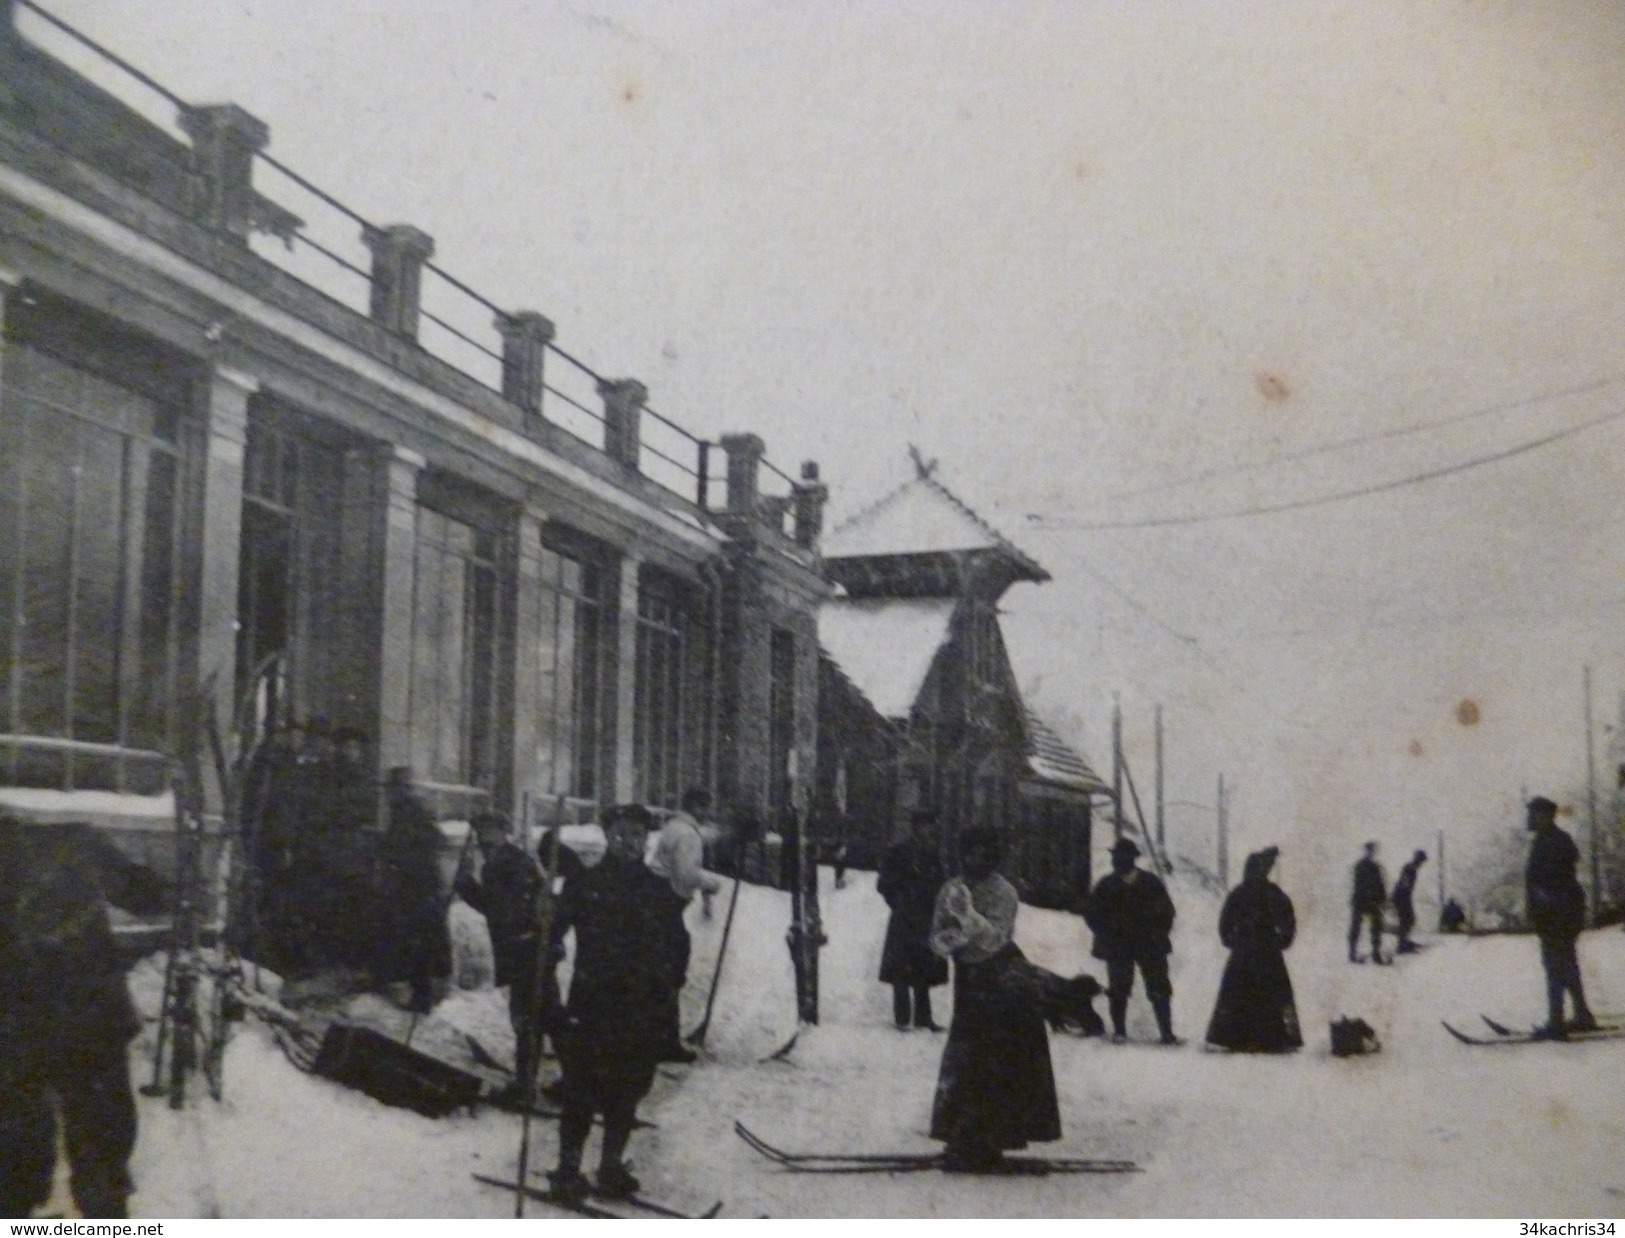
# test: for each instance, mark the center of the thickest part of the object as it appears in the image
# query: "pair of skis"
(918, 1162)
(1608, 1028)
(625, 1208)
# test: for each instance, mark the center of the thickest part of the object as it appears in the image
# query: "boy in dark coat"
(1557, 913)
(1366, 901)
(613, 1030)
(415, 944)
(910, 876)
(1256, 1012)
(65, 1014)
(1132, 917)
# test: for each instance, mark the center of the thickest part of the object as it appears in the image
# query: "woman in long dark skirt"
(1255, 1012)
(996, 1088)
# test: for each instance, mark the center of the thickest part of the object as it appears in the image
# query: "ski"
(589, 1208)
(914, 1162)
(1606, 1023)
(1511, 1037)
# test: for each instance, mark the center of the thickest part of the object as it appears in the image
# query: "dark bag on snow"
(1353, 1037)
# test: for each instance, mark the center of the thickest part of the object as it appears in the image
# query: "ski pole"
(697, 1036)
(533, 1015)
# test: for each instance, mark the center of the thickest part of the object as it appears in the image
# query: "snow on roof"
(44, 804)
(1051, 760)
(885, 646)
(922, 516)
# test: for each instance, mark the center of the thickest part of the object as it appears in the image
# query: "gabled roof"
(885, 646)
(922, 516)
(1049, 759)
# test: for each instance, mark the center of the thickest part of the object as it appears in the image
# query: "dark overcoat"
(507, 893)
(1255, 1012)
(1555, 901)
(1130, 919)
(910, 876)
(415, 940)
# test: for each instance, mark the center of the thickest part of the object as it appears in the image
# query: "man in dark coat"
(910, 876)
(65, 1014)
(1132, 917)
(1405, 902)
(1557, 912)
(507, 892)
(1255, 1012)
(1366, 901)
(996, 1085)
(415, 944)
(614, 1029)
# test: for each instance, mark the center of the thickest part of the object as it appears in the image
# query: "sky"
(1127, 271)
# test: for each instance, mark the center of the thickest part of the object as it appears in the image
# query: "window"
(90, 608)
(455, 617)
(658, 715)
(570, 696)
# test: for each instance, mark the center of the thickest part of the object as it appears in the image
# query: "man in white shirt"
(678, 855)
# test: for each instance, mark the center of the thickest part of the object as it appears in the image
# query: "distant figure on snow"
(996, 1088)
(1557, 912)
(1405, 902)
(1369, 897)
(614, 1028)
(1452, 919)
(910, 876)
(1255, 1012)
(1132, 916)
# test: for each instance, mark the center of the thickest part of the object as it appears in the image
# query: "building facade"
(221, 483)
(919, 706)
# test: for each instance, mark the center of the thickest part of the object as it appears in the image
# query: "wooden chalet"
(918, 706)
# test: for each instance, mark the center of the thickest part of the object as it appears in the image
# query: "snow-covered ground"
(1426, 1127)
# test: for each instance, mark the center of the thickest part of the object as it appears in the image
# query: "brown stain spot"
(1566, 810)
(1416, 748)
(1272, 386)
(1080, 170)
(1557, 1113)
(630, 93)
(1467, 712)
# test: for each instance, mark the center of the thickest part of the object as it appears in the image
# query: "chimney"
(810, 495)
(525, 337)
(623, 414)
(398, 254)
(225, 140)
(745, 453)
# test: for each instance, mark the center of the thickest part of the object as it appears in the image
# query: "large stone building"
(209, 466)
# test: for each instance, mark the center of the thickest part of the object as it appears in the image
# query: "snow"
(42, 804)
(917, 518)
(885, 646)
(1426, 1127)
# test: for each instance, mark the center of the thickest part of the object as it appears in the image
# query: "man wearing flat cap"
(1557, 912)
(1405, 901)
(1131, 915)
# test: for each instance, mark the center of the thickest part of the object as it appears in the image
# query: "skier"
(614, 1029)
(996, 1087)
(414, 944)
(910, 876)
(65, 1014)
(507, 893)
(1557, 912)
(1369, 897)
(1405, 902)
(1255, 1012)
(678, 857)
(1131, 915)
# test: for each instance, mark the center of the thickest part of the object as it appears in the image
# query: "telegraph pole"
(1162, 836)
(1224, 836)
(1591, 803)
(1117, 766)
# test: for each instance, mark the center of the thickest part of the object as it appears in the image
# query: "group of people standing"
(1369, 898)
(630, 964)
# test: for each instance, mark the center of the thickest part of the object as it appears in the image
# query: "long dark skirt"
(996, 1089)
(1255, 1012)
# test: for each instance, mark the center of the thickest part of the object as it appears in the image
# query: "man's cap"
(491, 819)
(1125, 846)
(1420, 855)
(1540, 804)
